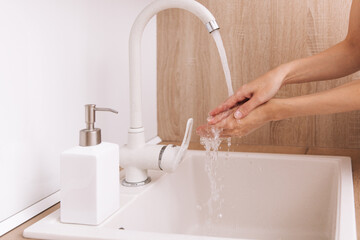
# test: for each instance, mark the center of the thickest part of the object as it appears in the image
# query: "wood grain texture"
(258, 35)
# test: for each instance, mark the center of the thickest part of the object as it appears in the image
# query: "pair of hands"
(248, 109)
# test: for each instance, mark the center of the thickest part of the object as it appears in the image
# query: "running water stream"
(220, 46)
(212, 142)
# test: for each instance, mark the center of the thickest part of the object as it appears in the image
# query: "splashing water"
(220, 46)
(211, 143)
(228, 148)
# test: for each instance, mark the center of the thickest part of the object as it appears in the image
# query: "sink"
(252, 196)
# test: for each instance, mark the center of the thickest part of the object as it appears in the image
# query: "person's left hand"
(235, 127)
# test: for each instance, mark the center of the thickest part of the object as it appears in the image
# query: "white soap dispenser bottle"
(89, 176)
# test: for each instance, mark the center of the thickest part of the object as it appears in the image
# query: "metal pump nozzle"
(91, 136)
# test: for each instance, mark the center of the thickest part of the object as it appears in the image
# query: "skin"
(253, 104)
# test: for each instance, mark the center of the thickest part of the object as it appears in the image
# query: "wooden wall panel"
(258, 35)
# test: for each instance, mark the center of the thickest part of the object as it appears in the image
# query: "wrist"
(275, 109)
(283, 72)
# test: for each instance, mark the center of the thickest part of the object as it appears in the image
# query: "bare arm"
(344, 98)
(337, 61)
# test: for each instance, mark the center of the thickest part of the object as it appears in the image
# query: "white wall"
(56, 56)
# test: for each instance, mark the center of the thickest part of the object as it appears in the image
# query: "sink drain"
(121, 228)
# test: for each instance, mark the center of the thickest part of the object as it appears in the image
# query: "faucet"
(137, 157)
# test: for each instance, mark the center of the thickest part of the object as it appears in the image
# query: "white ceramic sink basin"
(255, 196)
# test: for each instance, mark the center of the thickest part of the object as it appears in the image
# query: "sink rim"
(49, 225)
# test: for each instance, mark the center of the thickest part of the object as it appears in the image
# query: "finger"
(229, 103)
(219, 117)
(226, 134)
(208, 131)
(202, 131)
(247, 107)
(224, 106)
(228, 123)
(232, 133)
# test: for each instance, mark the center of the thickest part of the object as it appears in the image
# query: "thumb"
(247, 107)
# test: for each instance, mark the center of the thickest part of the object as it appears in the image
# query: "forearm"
(344, 98)
(337, 61)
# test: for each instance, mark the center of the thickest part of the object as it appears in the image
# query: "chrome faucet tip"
(212, 26)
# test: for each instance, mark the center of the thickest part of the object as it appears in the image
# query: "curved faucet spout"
(135, 46)
(136, 158)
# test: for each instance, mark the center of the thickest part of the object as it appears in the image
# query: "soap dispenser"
(89, 176)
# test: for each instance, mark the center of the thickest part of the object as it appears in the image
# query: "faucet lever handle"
(185, 142)
(187, 135)
(170, 156)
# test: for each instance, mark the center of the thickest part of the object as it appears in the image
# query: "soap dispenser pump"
(89, 176)
(91, 136)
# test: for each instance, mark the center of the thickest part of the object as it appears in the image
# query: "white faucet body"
(136, 157)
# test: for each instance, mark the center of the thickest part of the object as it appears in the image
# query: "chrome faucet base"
(135, 184)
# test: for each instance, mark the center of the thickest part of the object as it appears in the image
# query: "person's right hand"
(249, 96)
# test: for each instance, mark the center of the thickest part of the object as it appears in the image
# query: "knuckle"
(244, 109)
(244, 88)
(240, 92)
(257, 99)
